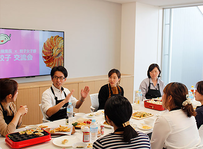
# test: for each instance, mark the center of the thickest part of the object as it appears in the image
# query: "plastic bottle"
(191, 95)
(69, 113)
(140, 94)
(93, 130)
(192, 89)
(102, 129)
(86, 134)
(137, 97)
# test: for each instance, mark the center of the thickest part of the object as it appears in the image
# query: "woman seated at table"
(176, 128)
(152, 87)
(118, 111)
(199, 109)
(110, 89)
(9, 118)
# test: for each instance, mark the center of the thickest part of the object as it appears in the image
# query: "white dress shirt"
(48, 98)
(145, 84)
(175, 130)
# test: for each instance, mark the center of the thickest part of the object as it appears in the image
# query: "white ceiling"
(162, 3)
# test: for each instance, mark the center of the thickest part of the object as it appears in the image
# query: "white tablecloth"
(78, 134)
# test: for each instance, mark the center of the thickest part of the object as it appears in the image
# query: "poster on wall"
(26, 53)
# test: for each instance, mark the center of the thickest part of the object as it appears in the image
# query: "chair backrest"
(44, 119)
(94, 101)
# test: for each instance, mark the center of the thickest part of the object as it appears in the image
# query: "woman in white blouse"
(176, 128)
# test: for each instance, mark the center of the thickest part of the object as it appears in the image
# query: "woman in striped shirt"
(118, 111)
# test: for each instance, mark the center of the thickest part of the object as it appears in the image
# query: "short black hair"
(59, 68)
(151, 67)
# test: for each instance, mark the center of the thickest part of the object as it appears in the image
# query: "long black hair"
(119, 110)
(7, 86)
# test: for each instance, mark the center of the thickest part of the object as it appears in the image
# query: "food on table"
(64, 141)
(37, 131)
(60, 129)
(39, 134)
(155, 101)
(89, 145)
(81, 122)
(52, 51)
(91, 115)
(140, 115)
(79, 146)
(105, 123)
(99, 113)
(146, 127)
(42, 126)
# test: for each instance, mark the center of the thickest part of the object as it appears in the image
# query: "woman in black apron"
(153, 93)
(111, 89)
(152, 87)
(9, 118)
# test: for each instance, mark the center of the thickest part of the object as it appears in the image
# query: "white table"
(78, 133)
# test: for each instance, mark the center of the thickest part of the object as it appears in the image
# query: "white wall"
(147, 40)
(143, 43)
(92, 31)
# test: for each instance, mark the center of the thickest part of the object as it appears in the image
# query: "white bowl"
(79, 144)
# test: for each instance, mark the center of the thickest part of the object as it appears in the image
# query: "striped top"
(113, 141)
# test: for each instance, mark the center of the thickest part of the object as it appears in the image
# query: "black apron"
(153, 93)
(62, 113)
(7, 119)
(119, 91)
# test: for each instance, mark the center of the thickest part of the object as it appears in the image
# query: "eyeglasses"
(60, 78)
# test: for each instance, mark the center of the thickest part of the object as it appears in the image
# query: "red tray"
(26, 141)
(153, 106)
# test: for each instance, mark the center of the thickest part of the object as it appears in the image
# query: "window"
(182, 56)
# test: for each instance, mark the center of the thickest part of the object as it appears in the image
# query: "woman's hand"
(23, 110)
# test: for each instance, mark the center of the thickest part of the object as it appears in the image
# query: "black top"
(104, 95)
(199, 116)
(7, 118)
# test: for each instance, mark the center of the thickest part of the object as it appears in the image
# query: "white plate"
(31, 127)
(106, 126)
(59, 132)
(99, 112)
(140, 126)
(90, 115)
(58, 141)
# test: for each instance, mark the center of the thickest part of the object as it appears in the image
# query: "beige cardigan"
(10, 128)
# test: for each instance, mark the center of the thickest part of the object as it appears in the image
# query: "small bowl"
(78, 115)
(80, 145)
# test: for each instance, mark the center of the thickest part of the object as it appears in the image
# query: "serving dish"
(155, 104)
